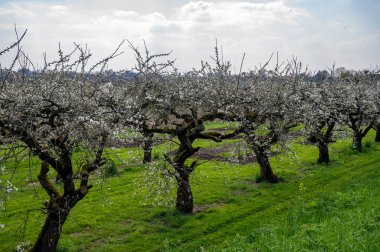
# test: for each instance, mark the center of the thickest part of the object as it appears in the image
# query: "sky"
(318, 33)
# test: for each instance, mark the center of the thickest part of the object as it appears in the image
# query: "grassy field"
(333, 207)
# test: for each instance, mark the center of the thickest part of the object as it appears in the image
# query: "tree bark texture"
(58, 207)
(323, 148)
(377, 129)
(147, 153)
(147, 147)
(184, 201)
(357, 141)
(265, 168)
(50, 233)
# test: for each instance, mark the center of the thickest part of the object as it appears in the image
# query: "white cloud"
(15, 10)
(121, 13)
(255, 27)
(58, 8)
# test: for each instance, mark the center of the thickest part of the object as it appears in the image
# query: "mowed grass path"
(332, 207)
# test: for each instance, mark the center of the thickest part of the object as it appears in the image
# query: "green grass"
(333, 207)
(220, 125)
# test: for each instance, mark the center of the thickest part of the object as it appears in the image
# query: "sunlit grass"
(336, 208)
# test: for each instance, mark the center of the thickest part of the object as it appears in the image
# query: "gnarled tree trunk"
(147, 147)
(357, 141)
(184, 200)
(359, 132)
(323, 148)
(50, 233)
(265, 168)
(187, 135)
(59, 206)
(377, 129)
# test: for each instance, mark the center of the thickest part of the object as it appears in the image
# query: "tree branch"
(51, 190)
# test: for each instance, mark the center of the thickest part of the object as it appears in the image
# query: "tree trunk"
(323, 148)
(357, 142)
(147, 154)
(148, 144)
(58, 179)
(184, 201)
(265, 168)
(377, 129)
(48, 238)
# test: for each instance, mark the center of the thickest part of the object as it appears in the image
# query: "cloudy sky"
(317, 32)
